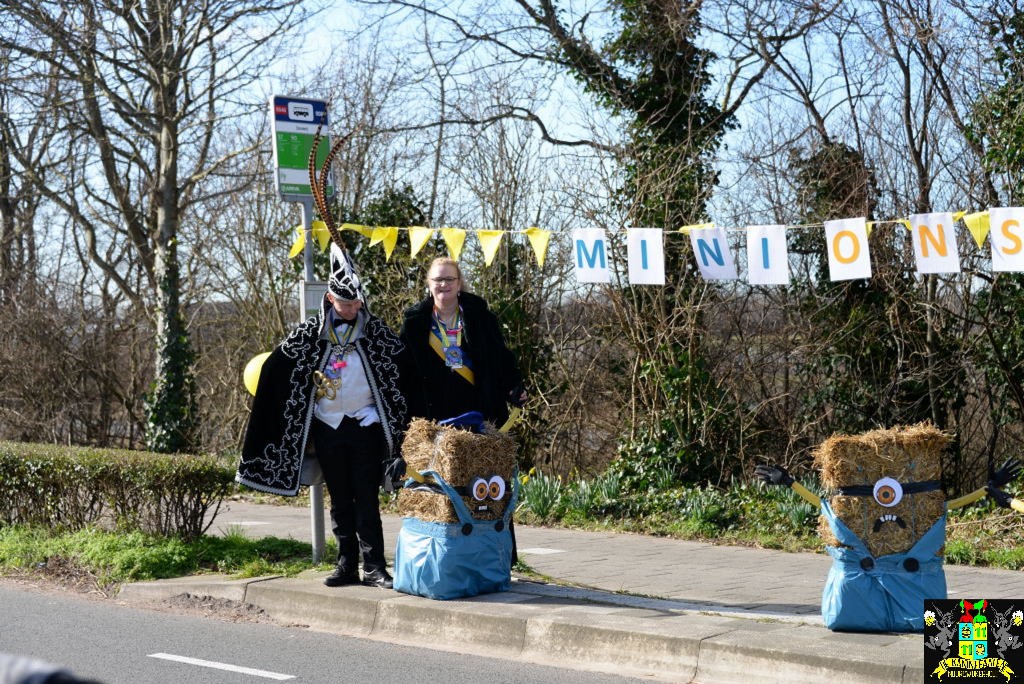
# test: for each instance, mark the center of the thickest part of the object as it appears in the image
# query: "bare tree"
(144, 90)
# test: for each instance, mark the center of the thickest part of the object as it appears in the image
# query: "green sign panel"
(295, 122)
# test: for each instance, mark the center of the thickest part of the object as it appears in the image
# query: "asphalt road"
(113, 643)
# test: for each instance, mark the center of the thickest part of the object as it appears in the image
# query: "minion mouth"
(889, 517)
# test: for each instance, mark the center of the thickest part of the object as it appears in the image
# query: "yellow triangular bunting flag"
(322, 235)
(298, 244)
(539, 239)
(906, 224)
(390, 240)
(958, 215)
(388, 235)
(455, 238)
(868, 227)
(418, 237)
(490, 240)
(978, 224)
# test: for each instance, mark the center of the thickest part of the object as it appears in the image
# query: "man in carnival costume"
(330, 391)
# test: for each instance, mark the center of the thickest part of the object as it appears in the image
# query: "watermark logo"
(974, 639)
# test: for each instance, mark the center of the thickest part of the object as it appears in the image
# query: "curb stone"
(591, 630)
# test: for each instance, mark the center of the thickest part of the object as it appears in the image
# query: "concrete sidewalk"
(687, 611)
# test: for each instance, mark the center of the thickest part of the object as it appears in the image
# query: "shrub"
(68, 488)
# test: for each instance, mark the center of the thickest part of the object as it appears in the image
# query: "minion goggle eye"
(496, 487)
(483, 488)
(888, 492)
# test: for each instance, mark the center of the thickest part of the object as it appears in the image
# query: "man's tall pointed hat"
(344, 280)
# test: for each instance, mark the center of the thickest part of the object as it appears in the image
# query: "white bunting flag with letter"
(1007, 238)
(846, 241)
(590, 250)
(646, 252)
(934, 243)
(711, 249)
(767, 255)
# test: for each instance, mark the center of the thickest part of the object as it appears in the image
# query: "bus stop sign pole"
(295, 122)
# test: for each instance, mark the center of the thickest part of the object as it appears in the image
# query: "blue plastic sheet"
(886, 596)
(455, 560)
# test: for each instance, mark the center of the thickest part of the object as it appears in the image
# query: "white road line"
(221, 666)
(540, 551)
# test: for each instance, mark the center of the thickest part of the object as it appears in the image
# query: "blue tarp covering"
(454, 560)
(889, 594)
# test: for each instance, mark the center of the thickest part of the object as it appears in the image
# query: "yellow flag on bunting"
(455, 238)
(906, 224)
(539, 239)
(978, 224)
(490, 240)
(868, 227)
(418, 237)
(298, 244)
(322, 235)
(388, 236)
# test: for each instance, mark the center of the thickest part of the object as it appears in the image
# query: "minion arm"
(966, 499)
(1004, 500)
(772, 474)
(806, 494)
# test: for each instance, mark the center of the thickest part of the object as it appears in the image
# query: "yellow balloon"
(251, 374)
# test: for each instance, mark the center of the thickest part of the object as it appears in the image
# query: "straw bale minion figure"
(456, 506)
(884, 523)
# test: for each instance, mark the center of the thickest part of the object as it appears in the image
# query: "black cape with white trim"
(277, 434)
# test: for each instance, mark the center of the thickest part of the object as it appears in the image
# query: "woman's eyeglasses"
(442, 281)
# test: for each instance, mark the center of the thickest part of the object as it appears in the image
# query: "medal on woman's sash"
(453, 357)
(452, 351)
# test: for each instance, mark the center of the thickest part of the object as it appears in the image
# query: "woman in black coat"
(456, 359)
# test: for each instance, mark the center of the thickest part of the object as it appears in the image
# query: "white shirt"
(353, 398)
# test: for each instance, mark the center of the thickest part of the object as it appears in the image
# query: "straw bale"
(418, 446)
(904, 453)
(458, 456)
(429, 506)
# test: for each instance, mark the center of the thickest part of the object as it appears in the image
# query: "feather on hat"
(344, 282)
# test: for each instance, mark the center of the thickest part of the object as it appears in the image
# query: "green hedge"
(69, 488)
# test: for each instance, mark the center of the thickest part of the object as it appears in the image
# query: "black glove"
(1006, 474)
(394, 472)
(515, 396)
(1001, 498)
(773, 474)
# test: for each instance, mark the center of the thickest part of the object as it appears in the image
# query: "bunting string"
(932, 236)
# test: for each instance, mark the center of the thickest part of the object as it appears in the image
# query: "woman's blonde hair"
(448, 261)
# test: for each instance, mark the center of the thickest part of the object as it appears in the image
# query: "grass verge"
(110, 558)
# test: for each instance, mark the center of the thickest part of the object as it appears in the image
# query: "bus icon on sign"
(300, 111)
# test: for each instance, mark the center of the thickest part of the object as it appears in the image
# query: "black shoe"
(378, 578)
(340, 577)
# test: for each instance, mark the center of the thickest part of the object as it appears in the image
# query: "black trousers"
(351, 457)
